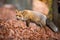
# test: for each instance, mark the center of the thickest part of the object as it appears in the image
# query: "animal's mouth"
(21, 18)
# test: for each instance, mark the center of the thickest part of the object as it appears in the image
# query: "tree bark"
(55, 11)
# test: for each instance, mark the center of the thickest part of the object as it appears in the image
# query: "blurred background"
(53, 5)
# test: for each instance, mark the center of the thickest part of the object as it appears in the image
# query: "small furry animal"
(33, 16)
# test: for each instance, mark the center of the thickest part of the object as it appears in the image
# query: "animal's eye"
(19, 16)
(16, 15)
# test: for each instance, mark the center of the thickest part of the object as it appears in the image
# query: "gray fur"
(42, 17)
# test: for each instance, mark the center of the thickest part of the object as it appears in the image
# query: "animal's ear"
(27, 11)
(24, 12)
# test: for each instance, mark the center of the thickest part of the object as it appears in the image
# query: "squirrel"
(32, 16)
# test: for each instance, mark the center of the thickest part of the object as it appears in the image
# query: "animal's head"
(19, 15)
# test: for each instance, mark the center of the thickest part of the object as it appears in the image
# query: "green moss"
(50, 9)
